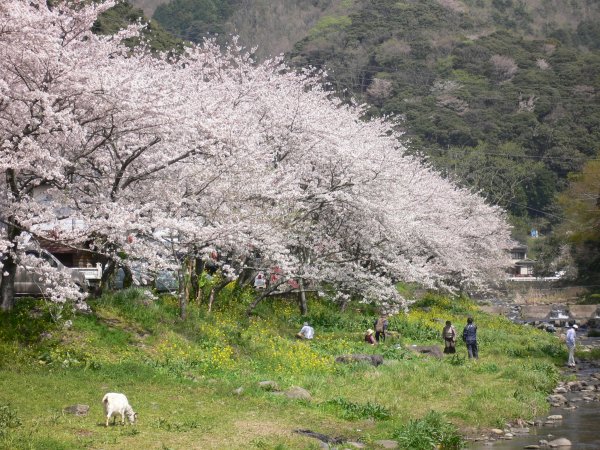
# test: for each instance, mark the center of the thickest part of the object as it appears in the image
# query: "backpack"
(449, 332)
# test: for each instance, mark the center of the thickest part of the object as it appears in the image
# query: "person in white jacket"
(571, 336)
(307, 332)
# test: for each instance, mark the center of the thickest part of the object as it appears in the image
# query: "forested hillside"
(499, 94)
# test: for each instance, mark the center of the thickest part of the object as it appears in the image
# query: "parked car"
(29, 283)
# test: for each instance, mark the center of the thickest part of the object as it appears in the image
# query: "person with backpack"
(470, 338)
(380, 326)
(449, 336)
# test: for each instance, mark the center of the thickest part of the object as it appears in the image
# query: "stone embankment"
(555, 314)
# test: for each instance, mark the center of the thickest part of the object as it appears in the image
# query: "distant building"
(522, 267)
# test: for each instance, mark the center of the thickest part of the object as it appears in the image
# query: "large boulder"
(429, 350)
(559, 443)
(268, 385)
(375, 360)
(297, 392)
(557, 399)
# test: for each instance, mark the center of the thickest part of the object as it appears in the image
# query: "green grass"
(180, 376)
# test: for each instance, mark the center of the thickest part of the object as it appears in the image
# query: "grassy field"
(181, 377)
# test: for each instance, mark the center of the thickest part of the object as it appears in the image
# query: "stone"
(321, 437)
(557, 399)
(560, 442)
(375, 360)
(297, 392)
(555, 417)
(508, 436)
(497, 431)
(522, 430)
(532, 446)
(238, 391)
(268, 385)
(429, 350)
(386, 443)
(560, 390)
(78, 410)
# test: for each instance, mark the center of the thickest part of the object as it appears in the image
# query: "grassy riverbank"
(181, 376)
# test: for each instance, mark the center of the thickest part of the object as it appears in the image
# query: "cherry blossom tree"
(162, 159)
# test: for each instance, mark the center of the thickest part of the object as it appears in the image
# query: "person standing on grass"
(449, 335)
(470, 338)
(571, 336)
(380, 326)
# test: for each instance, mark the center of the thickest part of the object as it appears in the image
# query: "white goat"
(115, 404)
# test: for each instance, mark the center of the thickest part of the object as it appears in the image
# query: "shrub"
(28, 321)
(8, 419)
(432, 431)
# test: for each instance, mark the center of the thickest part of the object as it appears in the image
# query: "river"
(580, 425)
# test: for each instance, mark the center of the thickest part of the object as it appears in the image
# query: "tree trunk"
(182, 295)
(260, 298)
(343, 305)
(107, 273)
(244, 278)
(7, 286)
(197, 267)
(302, 299)
(127, 277)
(211, 298)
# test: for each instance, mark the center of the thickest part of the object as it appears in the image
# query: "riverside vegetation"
(183, 377)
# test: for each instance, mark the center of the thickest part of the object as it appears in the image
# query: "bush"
(8, 419)
(432, 431)
(28, 321)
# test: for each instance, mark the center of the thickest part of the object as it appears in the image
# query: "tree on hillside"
(163, 159)
(581, 227)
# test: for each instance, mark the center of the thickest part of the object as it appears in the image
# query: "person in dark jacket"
(470, 338)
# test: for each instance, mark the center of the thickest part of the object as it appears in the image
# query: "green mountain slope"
(496, 94)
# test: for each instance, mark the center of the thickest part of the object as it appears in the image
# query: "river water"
(581, 425)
